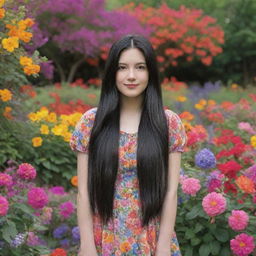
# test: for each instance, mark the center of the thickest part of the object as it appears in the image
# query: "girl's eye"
(141, 67)
(121, 67)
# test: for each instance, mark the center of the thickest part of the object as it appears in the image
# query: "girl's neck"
(131, 105)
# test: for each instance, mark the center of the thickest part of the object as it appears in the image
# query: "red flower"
(59, 252)
(229, 188)
(230, 168)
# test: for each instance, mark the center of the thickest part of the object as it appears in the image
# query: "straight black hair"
(152, 147)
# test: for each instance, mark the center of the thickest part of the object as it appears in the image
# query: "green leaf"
(195, 241)
(24, 208)
(189, 234)
(208, 238)
(198, 227)
(224, 251)
(222, 235)
(189, 251)
(193, 213)
(9, 231)
(215, 247)
(204, 250)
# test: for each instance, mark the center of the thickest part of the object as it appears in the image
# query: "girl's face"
(132, 73)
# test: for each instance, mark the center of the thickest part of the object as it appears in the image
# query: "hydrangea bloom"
(37, 198)
(18, 240)
(4, 206)
(75, 233)
(26, 171)
(58, 190)
(5, 179)
(238, 220)
(205, 159)
(66, 209)
(242, 245)
(214, 204)
(60, 231)
(190, 186)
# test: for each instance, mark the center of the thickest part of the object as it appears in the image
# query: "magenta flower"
(66, 209)
(32, 239)
(190, 186)
(4, 206)
(58, 190)
(37, 198)
(214, 204)
(242, 245)
(5, 179)
(214, 184)
(26, 171)
(238, 220)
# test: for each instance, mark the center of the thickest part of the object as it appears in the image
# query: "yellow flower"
(25, 36)
(59, 129)
(31, 69)
(43, 113)
(74, 118)
(67, 136)
(44, 129)
(253, 141)
(37, 141)
(181, 98)
(2, 3)
(202, 102)
(29, 22)
(187, 126)
(10, 43)
(2, 13)
(234, 86)
(5, 95)
(32, 117)
(211, 102)
(52, 118)
(25, 61)
(199, 106)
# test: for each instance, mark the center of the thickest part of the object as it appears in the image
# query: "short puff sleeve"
(177, 133)
(80, 137)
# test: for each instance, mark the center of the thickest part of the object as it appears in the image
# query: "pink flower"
(66, 209)
(4, 206)
(190, 186)
(246, 127)
(214, 204)
(238, 220)
(26, 171)
(213, 185)
(37, 198)
(46, 215)
(5, 179)
(32, 239)
(58, 190)
(254, 199)
(242, 245)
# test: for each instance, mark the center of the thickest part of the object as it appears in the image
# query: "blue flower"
(76, 233)
(65, 243)
(205, 159)
(60, 231)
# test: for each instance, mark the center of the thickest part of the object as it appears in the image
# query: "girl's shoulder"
(90, 113)
(170, 114)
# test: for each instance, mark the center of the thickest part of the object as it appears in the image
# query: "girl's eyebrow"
(135, 63)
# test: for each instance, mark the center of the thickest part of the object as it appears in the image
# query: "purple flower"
(65, 243)
(60, 231)
(75, 233)
(66, 209)
(32, 240)
(58, 190)
(205, 159)
(251, 173)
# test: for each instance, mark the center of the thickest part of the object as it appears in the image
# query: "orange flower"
(245, 184)
(186, 115)
(74, 181)
(2, 13)
(31, 69)
(37, 141)
(125, 247)
(7, 113)
(5, 95)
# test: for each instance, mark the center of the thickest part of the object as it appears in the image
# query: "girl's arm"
(168, 215)
(84, 215)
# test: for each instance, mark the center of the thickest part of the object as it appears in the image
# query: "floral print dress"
(124, 234)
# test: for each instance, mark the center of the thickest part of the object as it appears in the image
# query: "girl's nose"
(131, 74)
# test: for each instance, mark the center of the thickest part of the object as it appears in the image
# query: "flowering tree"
(82, 28)
(180, 35)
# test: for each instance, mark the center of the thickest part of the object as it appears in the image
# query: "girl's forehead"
(131, 55)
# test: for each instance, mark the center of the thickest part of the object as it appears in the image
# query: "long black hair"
(152, 147)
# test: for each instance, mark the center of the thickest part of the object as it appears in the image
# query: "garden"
(52, 56)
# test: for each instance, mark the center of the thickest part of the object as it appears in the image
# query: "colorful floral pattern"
(123, 235)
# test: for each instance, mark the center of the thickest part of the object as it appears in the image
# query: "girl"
(128, 160)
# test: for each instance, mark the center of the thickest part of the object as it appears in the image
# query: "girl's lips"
(131, 85)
